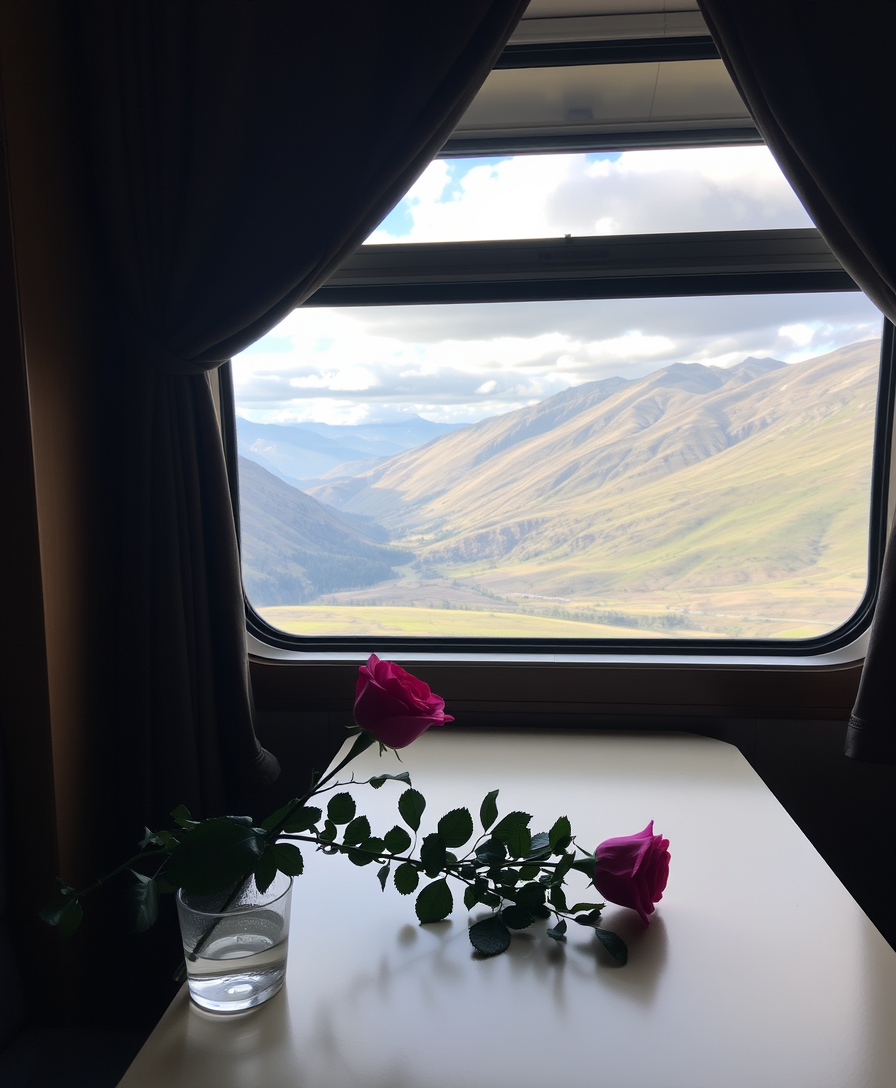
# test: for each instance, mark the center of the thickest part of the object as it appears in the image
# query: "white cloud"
(544, 196)
(465, 362)
(799, 334)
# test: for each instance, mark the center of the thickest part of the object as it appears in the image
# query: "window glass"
(627, 192)
(636, 468)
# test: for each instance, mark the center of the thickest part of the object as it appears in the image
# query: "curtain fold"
(817, 77)
(233, 154)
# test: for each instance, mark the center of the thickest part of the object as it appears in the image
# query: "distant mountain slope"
(295, 549)
(310, 450)
(690, 474)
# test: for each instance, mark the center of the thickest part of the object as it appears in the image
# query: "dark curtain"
(817, 75)
(233, 154)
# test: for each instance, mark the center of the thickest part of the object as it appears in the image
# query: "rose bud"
(395, 706)
(632, 870)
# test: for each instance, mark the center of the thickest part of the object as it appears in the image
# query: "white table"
(758, 968)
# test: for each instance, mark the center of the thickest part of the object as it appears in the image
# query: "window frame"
(636, 266)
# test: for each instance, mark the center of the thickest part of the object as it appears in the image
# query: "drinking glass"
(235, 944)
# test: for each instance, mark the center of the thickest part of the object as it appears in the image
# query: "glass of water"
(235, 945)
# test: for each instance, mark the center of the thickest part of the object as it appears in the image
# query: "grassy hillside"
(294, 549)
(736, 495)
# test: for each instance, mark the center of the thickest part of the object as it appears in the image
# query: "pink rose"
(395, 706)
(632, 870)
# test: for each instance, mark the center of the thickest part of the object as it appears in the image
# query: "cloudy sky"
(461, 363)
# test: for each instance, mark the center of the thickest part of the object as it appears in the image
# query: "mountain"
(295, 549)
(691, 475)
(309, 451)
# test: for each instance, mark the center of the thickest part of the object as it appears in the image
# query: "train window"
(574, 396)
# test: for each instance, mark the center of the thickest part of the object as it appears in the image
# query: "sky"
(462, 363)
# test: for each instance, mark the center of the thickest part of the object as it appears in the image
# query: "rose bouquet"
(517, 874)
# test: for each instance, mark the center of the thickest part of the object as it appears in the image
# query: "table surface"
(758, 967)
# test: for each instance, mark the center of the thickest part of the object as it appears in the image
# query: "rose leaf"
(511, 820)
(613, 944)
(558, 932)
(432, 854)
(490, 937)
(406, 879)
(516, 917)
(289, 858)
(357, 831)
(411, 805)
(560, 831)
(518, 841)
(379, 779)
(341, 808)
(397, 840)
(435, 902)
(265, 871)
(302, 819)
(488, 810)
(456, 827)
(216, 854)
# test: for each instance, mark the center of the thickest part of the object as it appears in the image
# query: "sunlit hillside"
(740, 496)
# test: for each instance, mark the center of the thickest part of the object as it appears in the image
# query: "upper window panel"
(602, 193)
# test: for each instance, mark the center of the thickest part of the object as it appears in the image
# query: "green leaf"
(456, 827)
(613, 944)
(518, 841)
(490, 852)
(517, 917)
(558, 932)
(561, 830)
(540, 846)
(289, 858)
(406, 879)
(531, 896)
(302, 819)
(275, 817)
(358, 857)
(529, 872)
(490, 937)
(329, 832)
(411, 805)
(215, 855)
(265, 871)
(563, 867)
(488, 810)
(397, 840)
(586, 906)
(341, 808)
(357, 831)
(150, 838)
(511, 820)
(181, 816)
(379, 779)
(435, 902)
(432, 854)
(383, 875)
(471, 897)
(558, 897)
(145, 899)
